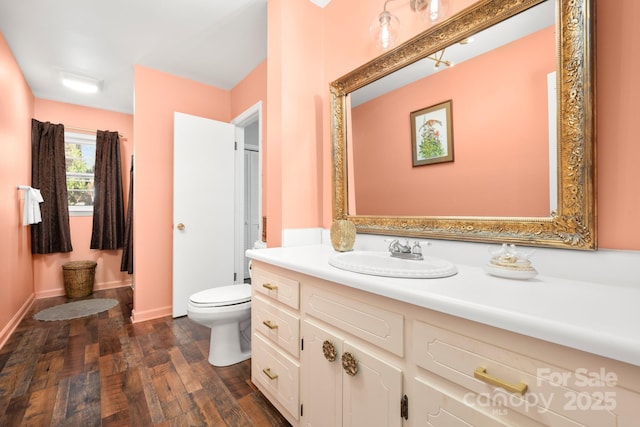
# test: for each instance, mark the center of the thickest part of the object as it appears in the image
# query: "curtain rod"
(88, 130)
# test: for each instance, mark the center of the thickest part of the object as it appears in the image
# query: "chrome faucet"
(405, 251)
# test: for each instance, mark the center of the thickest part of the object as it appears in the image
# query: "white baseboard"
(11, 326)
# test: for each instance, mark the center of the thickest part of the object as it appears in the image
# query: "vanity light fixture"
(80, 83)
(384, 28)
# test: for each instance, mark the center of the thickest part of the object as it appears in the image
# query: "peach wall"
(252, 88)
(272, 158)
(48, 280)
(295, 117)
(157, 97)
(16, 109)
(346, 46)
(509, 168)
(617, 90)
(301, 110)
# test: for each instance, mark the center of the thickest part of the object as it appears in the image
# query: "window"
(80, 154)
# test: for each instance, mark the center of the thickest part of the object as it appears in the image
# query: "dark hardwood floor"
(102, 370)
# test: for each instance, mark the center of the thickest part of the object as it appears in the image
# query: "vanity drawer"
(276, 374)
(554, 396)
(276, 324)
(373, 324)
(280, 288)
(436, 404)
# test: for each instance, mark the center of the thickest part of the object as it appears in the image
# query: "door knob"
(180, 226)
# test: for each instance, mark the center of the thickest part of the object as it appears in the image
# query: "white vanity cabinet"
(453, 371)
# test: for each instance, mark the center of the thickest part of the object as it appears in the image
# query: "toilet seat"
(222, 296)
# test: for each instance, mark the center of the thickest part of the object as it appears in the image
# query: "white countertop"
(596, 318)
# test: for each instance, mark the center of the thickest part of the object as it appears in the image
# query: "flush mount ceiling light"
(439, 60)
(384, 28)
(80, 83)
(438, 57)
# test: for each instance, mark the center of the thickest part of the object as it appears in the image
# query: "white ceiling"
(216, 42)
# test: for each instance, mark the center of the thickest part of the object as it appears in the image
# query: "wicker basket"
(78, 278)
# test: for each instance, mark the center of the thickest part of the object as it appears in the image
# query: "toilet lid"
(222, 296)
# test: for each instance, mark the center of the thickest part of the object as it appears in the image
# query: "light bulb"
(434, 10)
(384, 30)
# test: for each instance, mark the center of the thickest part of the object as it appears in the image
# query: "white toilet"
(227, 311)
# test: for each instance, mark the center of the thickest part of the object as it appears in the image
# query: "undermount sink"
(383, 264)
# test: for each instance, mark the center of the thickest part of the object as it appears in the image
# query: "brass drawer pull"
(329, 351)
(267, 372)
(269, 325)
(481, 374)
(270, 286)
(349, 364)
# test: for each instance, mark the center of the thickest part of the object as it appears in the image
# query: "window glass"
(80, 154)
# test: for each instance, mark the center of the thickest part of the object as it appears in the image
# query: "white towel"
(31, 212)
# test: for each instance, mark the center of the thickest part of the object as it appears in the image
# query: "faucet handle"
(416, 249)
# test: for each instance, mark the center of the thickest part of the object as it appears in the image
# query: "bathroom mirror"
(566, 218)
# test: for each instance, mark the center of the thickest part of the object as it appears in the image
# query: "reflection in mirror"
(500, 185)
(502, 88)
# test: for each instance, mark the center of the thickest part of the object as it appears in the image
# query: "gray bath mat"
(73, 310)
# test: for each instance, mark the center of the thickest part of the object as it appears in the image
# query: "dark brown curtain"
(127, 252)
(108, 202)
(49, 175)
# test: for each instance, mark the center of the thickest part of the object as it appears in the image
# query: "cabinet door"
(372, 395)
(321, 377)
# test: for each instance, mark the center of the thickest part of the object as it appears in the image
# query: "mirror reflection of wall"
(500, 108)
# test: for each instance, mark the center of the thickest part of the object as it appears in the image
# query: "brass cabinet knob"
(180, 226)
(349, 363)
(329, 351)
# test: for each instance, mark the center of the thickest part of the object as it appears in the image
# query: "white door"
(251, 200)
(203, 207)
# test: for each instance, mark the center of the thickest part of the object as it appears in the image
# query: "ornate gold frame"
(573, 226)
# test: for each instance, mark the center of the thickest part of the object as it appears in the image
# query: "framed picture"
(432, 135)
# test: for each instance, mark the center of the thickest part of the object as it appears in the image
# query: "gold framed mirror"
(572, 224)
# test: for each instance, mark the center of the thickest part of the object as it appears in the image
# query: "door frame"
(249, 116)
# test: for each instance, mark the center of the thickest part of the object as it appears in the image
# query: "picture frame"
(432, 134)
